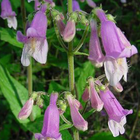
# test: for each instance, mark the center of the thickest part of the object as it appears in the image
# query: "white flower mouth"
(117, 127)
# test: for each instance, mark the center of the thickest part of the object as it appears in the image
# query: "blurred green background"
(53, 76)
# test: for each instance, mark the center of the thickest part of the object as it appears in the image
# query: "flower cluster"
(116, 46)
(116, 49)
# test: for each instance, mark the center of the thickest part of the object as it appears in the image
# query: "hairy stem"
(71, 67)
(29, 69)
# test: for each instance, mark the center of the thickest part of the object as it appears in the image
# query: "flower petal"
(112, 71)
(25, 58)
(12, 22)
(21, 37)
(41, 50)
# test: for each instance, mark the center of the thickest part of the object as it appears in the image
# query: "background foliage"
(54, 76)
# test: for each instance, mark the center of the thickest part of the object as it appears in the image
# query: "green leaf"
(90, 112)
(36, 112)
(81, 75)
(66, 135)
(35, 126)
(105, 136)
(13, 91)
(65, 126)
(8, 35)
(53, 86)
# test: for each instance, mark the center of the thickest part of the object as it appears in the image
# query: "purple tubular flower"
(113, 40)
(7, 13)
(60, 24)
(91, 94)
(37, 4)
(91, 3)
(78, 120)
(129, 49)
(69, 31)
(116, 113)
(75, 6)
(50, 128)
(35, 43)
(95, 53)
(96, 102)
(26, 110)
(115, 70)
(86, 95)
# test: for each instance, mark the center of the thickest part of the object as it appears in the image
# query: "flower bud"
(84, 20)
(63, 107)
(102, 87)
(26, 110)
(74, 16)
(111, 18)
(61, 26)
(69, 31)
(60, 102)
(40, 102)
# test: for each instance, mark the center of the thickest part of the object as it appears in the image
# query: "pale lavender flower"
(7, 13)
(60, 24)
(96, 102)
(116, 113)
(37, 5)
(50, 128)
(95, 53)
(91, 3)
(113, 40)
(91, 94)
(35, 43)
(129, 49)
(78, 120)
(69, 31)
(123, 1)
(86, 95)
(75, 6)
(115, 69)
(26, 110)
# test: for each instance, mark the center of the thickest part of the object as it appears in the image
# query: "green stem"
(30, 84)
(71, 71)
(69, 6)
(65, 120)
(29, 69)
(82, 40)
(71, 67)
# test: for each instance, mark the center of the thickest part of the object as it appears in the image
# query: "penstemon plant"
(111, 53)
